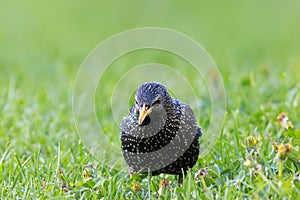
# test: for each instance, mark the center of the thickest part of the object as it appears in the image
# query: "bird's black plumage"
(160, 134)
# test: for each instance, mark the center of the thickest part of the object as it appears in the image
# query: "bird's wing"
(189, 113)
(199, 131)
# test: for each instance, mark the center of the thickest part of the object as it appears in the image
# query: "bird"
(160, 134)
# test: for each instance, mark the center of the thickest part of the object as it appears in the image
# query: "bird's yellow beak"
(144, 112)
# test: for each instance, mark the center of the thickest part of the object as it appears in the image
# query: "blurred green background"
(42, 39)
(43, 43)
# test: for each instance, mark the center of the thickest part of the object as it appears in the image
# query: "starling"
(160, 134)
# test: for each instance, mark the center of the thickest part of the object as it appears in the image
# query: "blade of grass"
(236, 133)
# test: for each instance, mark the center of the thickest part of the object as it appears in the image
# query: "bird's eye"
(156, 102)
(136, 103)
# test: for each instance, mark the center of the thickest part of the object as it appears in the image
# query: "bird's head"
(152, 100)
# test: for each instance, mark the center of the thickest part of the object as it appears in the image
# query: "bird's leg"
(180, 179)
(149, 183)
(131, 174)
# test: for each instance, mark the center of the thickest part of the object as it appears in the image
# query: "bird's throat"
(146, 121)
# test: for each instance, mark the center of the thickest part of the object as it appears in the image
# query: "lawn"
(256, 47)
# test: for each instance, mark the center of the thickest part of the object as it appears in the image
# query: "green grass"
(42, 156)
